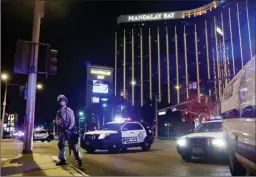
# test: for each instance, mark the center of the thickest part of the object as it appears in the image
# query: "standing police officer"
(65, 119)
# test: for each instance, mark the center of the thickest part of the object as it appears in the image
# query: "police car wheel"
(236, 169)
(146, 146)
(186, 157)
(114, 149)
(123, 149)
(90, 150)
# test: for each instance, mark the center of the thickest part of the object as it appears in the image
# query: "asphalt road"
(161, 160)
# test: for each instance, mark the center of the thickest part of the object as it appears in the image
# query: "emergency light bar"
(216, 118)
(128, 119)
(121, 119)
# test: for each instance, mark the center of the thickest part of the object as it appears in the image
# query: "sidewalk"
(34, 164)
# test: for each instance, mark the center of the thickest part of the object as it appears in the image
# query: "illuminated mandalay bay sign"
(101, 72)
(149, 17)
(169, 15)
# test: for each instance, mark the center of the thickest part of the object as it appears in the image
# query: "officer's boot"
(62, 162)
(78, 156)
(79, 163)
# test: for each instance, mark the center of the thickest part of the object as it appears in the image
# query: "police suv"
(118, 135)
(207, 140)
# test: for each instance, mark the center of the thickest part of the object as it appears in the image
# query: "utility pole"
(54, 133)
(79, 126)
(32, 79)
(4, 106)
(156, 117)
(168, 129)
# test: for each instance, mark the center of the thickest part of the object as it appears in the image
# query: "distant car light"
(102, 136)
(19, 133)
(119, 119)
(219, 142)
(182, 142)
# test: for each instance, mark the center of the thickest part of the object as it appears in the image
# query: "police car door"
(132, 133)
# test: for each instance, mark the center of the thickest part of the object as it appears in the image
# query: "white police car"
(206, 140)
(118, 135)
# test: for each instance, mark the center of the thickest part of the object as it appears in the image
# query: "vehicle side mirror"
(125, 129)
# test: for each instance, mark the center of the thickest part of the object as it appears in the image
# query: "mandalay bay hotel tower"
(173, 55)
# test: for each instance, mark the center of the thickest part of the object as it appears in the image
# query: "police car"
(42, 135)
(118, 135)
(206, 140)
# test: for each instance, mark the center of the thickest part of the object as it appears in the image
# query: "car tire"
(123, 150)
(236, 168)
(48, 140)
(42, 141)
(90, 150)
(146, 146)
(114, 150)
(186, 157)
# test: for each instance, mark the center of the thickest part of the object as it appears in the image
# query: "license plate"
(197, 150)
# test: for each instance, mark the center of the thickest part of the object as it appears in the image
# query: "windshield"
(209, 127)
(114, 127)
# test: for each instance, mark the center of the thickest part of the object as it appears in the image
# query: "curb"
(73, 167)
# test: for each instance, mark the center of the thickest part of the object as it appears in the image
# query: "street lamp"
(177, 87)
(39, 86)
(133, 82)
(104, 105)
(168, 128)
(81, 113)
(4, 77)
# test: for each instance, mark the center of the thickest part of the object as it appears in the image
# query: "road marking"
(80, 172)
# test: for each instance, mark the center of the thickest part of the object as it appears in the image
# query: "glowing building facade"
(175, 54)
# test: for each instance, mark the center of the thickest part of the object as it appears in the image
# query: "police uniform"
(65, 117)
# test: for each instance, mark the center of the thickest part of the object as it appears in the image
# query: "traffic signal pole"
(32, 79)
(156, 117)
(3, 111)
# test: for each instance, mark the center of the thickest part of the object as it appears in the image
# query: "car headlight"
(102, 136)
(218, 142)
(182, 142)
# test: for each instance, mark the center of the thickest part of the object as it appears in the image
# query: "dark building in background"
(99, 95)
(175, 54)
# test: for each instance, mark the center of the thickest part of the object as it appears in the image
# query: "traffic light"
(22, 57)
(51, 62)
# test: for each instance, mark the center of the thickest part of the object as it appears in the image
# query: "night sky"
(82, 31)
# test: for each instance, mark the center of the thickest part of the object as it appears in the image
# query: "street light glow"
(119, 119)
(104, 105)
(39, 86)
(81, 113)
(4, 76)
(162, 113)
(133, 82)
(177, 87)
